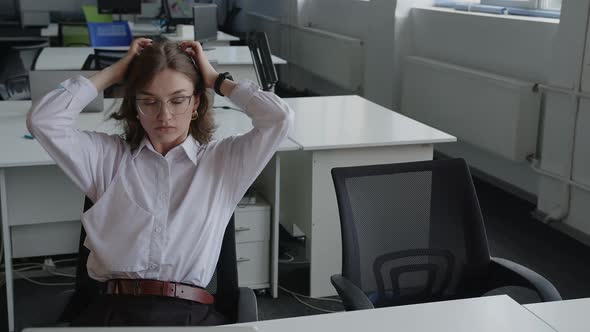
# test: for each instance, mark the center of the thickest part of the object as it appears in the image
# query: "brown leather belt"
(159, 288)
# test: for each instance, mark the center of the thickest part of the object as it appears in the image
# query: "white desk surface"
(72, 58)
(339, 122)
(564, 316)
(221, 37)
(225, 328)
(19, 151)
(484, 314)
(150, 29)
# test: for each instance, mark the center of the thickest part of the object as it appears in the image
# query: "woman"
(164, 191)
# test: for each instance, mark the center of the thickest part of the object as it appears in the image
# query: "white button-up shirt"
(157, 217)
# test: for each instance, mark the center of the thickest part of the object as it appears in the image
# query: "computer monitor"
(205, 22)
(119, 6)
(8, 11)
(44, 81)
(177, 12)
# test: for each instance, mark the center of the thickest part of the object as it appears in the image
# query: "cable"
(56, 273)
(314, 307)
(291, 258)
(308, 297)
(294, 262)
(65, 260)
(44, 284)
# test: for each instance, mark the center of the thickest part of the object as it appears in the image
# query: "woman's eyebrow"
(147, 93)
(177, 91)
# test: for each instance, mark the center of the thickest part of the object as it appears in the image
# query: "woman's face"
(165, 108)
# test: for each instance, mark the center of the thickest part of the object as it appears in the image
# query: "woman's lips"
(165, 128)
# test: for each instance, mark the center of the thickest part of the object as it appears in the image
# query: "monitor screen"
(119, 6)
(205, 22)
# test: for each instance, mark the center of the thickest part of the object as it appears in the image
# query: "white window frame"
(532, 4)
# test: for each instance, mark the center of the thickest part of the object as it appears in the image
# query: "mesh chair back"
(262, 59)
(109, 34)
(411, 232)
(104, 58)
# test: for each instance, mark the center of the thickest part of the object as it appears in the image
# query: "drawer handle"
(242, 259)
(242, 229)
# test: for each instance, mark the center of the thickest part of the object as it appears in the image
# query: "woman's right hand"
(116, 73)
(137, 47)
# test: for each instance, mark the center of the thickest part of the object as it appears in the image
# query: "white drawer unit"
(253, 264)
(253, 226)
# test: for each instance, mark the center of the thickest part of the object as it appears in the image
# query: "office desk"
(485, 314)
(234, 59)
(150, 30)
(223, 39)
(336, 132)
(39, 205)
(564, 316)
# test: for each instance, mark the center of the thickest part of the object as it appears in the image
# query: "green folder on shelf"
(91, 14)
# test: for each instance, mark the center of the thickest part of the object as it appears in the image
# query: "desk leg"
(7, 243)
(268, 184)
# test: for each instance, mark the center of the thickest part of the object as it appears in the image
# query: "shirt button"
(158, 229)
(153, 266)
(164, 196)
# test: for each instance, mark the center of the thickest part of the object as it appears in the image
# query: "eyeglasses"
(151, 107)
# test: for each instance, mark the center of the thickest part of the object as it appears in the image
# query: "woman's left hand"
(194, 49)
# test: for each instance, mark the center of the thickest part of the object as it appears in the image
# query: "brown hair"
(162, 55)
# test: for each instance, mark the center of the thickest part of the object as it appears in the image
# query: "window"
(540, 8)
(526, 4)
(532, 4)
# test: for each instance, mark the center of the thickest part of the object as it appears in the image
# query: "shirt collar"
(190, 147)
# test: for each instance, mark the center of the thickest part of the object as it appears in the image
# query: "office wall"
(516, 47)
(563, 154)
(378, 23)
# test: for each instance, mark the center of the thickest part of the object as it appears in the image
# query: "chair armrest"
(352, 297)
(247, 306)
(508, 273)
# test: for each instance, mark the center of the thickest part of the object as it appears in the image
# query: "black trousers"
(129, 310)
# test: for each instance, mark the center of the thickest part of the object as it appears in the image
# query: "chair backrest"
(18, 87)
(109, 34)
(102, 58)
(74, 34)
(262, 59)
(224, 284)
(411, 232)
(30, 53)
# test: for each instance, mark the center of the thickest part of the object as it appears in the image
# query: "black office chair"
(413, 233)
(101, 59)
(262, 59)
(15, 74)
(238, 304)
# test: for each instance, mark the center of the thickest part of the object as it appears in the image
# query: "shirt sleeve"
(249, 153)
(88, 158)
